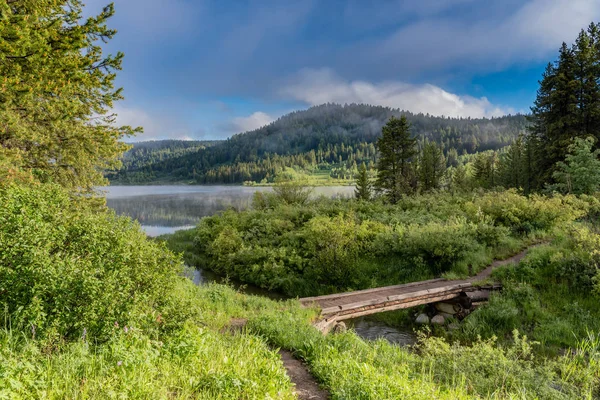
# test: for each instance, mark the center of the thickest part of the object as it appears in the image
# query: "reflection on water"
(165, 209)
(372, 330)
(154, 231)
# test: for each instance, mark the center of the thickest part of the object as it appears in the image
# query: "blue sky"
(206, 69)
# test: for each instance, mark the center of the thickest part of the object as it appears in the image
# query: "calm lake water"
(166, 209)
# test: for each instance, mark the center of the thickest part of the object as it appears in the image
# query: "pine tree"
(452, 159)
(363, 186)
(432, 166)
(460, 180)
(567, 105)
(55, 79)
(511, 167)
(484, 168)
(395, 172)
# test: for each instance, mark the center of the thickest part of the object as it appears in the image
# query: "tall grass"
(354, 369)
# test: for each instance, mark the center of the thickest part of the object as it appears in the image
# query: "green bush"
(438, 247)
(66, 269)
(334, 246)
(525, 214)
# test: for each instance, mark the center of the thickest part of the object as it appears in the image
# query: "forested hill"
(143, 154)
(329, 137)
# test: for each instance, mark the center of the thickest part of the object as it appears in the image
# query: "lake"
(165, 209)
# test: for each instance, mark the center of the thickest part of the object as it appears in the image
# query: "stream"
(166, 209)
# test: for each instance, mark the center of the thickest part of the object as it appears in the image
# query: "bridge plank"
(309, 300)
(430, 295)
(392, 307)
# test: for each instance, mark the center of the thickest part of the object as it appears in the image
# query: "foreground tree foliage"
(56, 92)
(580, 173)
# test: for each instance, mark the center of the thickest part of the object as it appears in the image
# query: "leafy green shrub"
(574, 262)
(65, 269)
(292, 193)
(328, 245)
(334, 246)
(491, 235)
(438, 246)
(524, 214)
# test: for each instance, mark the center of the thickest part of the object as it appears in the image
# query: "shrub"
(65, 269)
(292, 193)
(438, 246)
(522, 214)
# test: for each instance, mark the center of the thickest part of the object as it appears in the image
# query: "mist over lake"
(166, 209)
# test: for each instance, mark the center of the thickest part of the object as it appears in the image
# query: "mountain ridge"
(325, 137)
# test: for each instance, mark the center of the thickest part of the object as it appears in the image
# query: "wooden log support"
(478, 295)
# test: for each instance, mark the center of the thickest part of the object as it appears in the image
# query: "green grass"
(354, 369)
(194, 360)
(309, 178)
(200, 360)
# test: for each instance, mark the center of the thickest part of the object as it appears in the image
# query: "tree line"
(331, 137)
(558, 152)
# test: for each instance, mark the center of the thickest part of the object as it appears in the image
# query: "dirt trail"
(306, 386)
(486, 273)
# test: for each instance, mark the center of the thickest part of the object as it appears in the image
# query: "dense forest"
(329, 137)
(145, 154)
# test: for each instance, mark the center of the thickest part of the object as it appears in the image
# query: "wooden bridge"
(462, 294)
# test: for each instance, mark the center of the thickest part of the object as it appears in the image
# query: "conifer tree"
(395, 173)
(567, 105)
(484, 168)
(432, 166)
(459, 181)
(452, 159)
(363, 186)
(511, 167)
(57, 91)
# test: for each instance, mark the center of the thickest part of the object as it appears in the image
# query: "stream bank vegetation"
(326, 245)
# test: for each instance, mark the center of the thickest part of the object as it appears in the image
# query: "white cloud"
(550, 22)
(155, 127)
(323, 85)
(251, 122)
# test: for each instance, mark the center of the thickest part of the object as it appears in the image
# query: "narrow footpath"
(306, 386)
